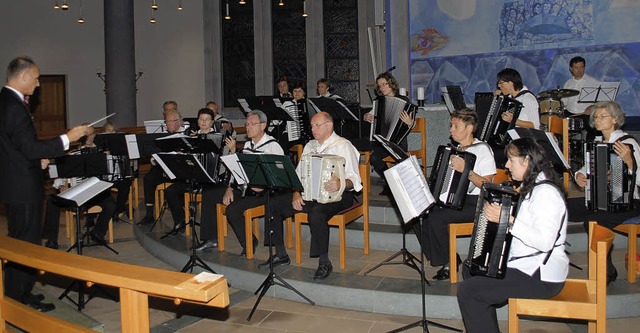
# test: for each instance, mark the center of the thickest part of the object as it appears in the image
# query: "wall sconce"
(226, 14)
(103, 77)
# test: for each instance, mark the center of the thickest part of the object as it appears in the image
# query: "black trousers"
(174, 195)
(211, 196)
(479, 296)
(51, 226)
(24, 223)
(151, 180)
(435, 229)
(124, 187)
(280, 208)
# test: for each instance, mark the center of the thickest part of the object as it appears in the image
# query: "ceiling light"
(154, 5)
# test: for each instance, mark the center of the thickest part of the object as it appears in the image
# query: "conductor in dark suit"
(21, 163)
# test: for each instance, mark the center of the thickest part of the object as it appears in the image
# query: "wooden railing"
(135, 283)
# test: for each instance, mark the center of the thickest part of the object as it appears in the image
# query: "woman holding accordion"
(537, 266)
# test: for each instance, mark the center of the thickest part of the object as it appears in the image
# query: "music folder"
(409, 188)
(546, 140)
(191, 144)
(183, 167)
(81, 193)
(453, 98)
(271, 106)
(394, 150)
(338, 110)
(269, 171)
(81, 165)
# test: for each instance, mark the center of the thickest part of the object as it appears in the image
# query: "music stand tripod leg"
(270, 280)
(194, 260)
(424, 323)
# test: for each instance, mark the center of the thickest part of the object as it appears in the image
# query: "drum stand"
(424, 323)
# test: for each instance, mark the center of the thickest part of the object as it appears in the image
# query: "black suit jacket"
(21, 179)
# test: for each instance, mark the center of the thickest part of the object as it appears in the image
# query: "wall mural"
(467, 42)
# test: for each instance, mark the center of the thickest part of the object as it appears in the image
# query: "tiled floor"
(273, 315)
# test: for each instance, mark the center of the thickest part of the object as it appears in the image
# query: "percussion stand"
(424, 323)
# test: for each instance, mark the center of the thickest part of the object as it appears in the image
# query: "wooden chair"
(632, 231)
(466, 229)
(421, 153)
(71, 223)
(160, 197)
(341, 219)
(130, 199)
(298, 150)
(560, 127)
(579, 299)
(251, 227)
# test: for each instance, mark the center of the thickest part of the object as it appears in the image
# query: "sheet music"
(164, 166)
(85, 191)
(410, 188)
(53, 171)
(513, 133)
(155, 126)
(233, 164)
(244, 105)
(132, 146)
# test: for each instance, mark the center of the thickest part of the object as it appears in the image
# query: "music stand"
(338, 111)
(408, 259)
(188, 168)
(271, 106)
(270, 172)
(605, 92)
(453, 98)
(76, 197)
(415, 200)
(546, 141)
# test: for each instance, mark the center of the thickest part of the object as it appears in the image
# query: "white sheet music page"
(409, 188)
(85, 191)
(132, 146)
(164, 166)
(233, 164)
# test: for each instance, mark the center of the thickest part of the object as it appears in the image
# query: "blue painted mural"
(467, 42)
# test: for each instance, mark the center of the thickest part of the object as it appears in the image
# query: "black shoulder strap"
(522, 92)
(257, 148)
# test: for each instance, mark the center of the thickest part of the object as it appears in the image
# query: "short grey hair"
(614, 110)
(19, 65)
(261, 116)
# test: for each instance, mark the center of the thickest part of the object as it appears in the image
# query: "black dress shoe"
(178, 228)
(51, 244)
(612, 277)
(277, 261)
(443, 274)
(323, 271)
(33, 298)
(207, 245)
(386, 190)
(147, 220)
(42, 307)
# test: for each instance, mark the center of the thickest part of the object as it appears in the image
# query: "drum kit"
(551, 105)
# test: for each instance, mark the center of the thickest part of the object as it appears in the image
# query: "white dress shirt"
(485, 163)
(530, 108)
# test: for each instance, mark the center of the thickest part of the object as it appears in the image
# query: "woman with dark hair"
(324, 89)
(537, 266)
(608, 118)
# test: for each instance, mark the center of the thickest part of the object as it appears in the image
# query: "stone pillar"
(263, 47)
(120, 62)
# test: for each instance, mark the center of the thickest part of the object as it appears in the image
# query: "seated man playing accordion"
(434, 235)
(287, 204)
(608, 118)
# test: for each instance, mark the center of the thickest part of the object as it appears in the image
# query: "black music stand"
(76, 197)
(188, 168)
(270, 172)
(408, 259)
(120, 167)
(271, 106)
(338, 111)
(406, 180)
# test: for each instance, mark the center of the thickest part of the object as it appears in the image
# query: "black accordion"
(494, 129)
(490, 242)
(386, 121)
(448, 186)
(610, 185)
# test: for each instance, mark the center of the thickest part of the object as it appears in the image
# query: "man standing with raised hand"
(22, 158)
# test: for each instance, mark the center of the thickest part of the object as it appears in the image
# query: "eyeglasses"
(251, 123)
(501, 82)
(171, 121)
(600, 117)
(318, 125)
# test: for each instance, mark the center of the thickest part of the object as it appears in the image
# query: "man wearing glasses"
(287, 204)
(237, 199)
(510, 84)
(155, 176)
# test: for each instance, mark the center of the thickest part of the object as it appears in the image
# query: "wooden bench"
(135, 283)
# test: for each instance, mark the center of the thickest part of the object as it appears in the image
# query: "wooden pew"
(135, 283)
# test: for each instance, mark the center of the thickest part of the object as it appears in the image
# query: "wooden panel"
(48, 105)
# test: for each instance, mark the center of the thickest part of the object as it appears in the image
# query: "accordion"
(447, 185)
(609, 186)
(490, 242)
(315, 170)
(299, 128)
(494, 129)
(386, 121)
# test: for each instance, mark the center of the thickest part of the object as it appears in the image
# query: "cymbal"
(558, 93)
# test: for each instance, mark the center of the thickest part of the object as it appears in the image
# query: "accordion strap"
(546, 258)
(257, 148)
